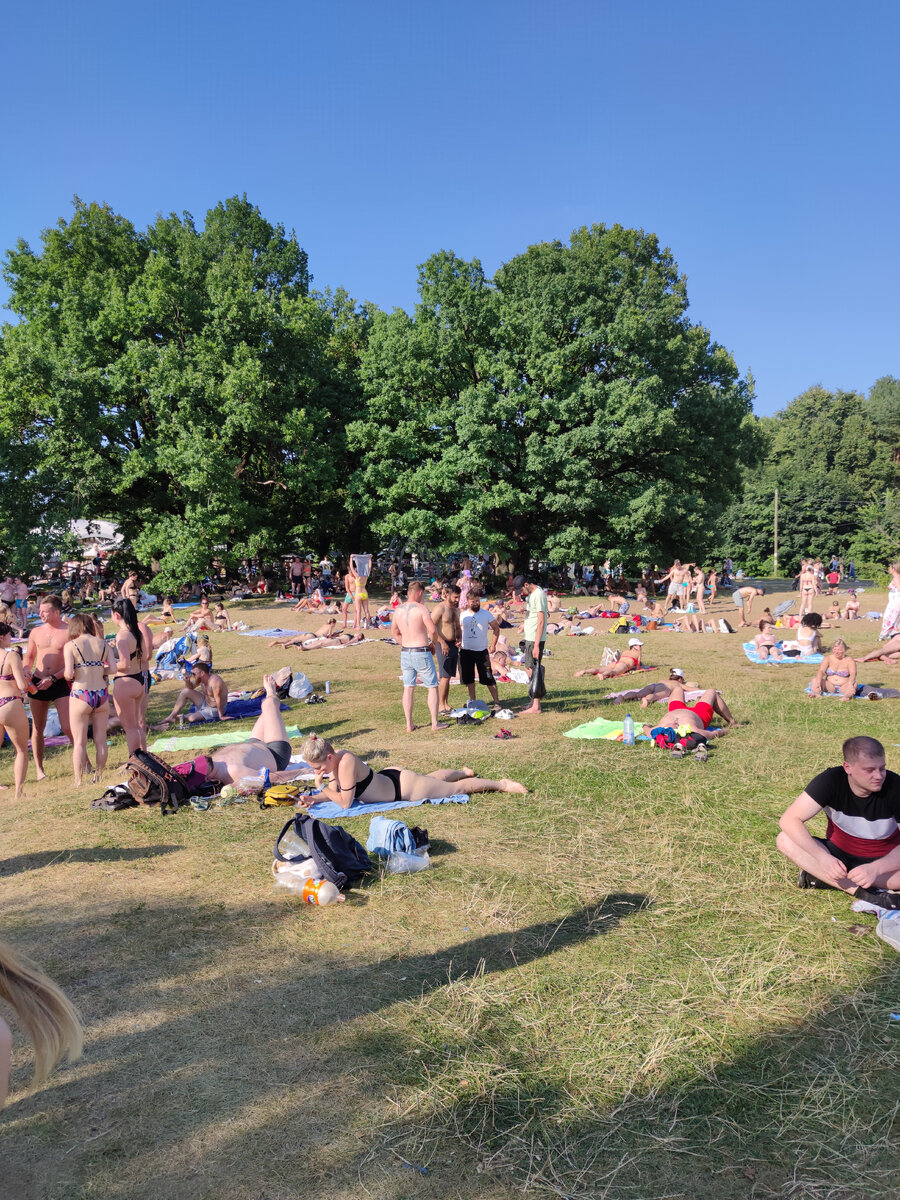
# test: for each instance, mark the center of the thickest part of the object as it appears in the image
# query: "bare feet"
(269, 684)
(580, 673)
(510, 785)
(530, 712)
(440, 725)
(467, 772)
(161, 727)
(41, 775)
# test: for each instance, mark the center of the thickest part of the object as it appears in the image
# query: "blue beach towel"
(327, 810)
(750, 651)
(834, 695)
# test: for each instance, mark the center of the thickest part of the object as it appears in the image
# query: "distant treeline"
(188, 384)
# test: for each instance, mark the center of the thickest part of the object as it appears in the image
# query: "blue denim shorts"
(418, 664)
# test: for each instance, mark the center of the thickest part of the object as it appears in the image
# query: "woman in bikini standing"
(129, 677)
(13, 718)
(87, 667)
(352, 780)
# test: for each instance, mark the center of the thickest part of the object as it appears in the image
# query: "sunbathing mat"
(863, 692)
(274, 633)
(600, 727)
(750, 651)
(214, 736)
(327, 810)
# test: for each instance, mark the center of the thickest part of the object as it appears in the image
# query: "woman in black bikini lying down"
(352, 780)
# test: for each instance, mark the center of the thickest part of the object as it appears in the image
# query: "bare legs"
(447, 783)
(409, 695)
(39, 711)
(128, 703)
(185, 697)
(15, 722)
(270, 725)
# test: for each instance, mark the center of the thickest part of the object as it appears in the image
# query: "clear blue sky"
(758, 140)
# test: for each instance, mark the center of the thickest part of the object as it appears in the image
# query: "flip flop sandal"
(504, 735)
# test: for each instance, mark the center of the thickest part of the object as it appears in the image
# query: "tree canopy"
(565, 409)
(181, 382)
(187, 384)
(834, 467)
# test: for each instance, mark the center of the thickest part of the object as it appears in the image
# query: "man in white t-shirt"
(474, 654)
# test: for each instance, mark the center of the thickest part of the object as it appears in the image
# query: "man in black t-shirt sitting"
(860, 852)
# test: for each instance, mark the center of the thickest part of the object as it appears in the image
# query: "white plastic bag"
(399, 863)
(300, 687)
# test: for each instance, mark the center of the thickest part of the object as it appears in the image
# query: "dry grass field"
(609, 987)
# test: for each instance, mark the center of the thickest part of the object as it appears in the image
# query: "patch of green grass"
(609, 987)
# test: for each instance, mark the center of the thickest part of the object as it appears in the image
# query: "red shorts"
(703, 710)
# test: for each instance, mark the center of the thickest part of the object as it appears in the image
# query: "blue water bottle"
(628, 730)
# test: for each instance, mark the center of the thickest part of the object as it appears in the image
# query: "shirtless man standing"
(678, 577)
(207, 691)
(44, 663)
(448, 632)
(414, 629)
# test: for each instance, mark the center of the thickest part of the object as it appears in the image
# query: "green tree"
(829, 462)
(566, 409)
(179, 382)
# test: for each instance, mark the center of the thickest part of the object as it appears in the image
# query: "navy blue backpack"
(338, 856)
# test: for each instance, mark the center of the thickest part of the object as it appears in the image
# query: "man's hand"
(44, 684)
(445, 649)
(865, 874)
(831, 870)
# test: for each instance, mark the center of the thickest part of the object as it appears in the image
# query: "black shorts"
(469, 660)
(281, 751)
(58, 690)
(849, 860)
(446, 663)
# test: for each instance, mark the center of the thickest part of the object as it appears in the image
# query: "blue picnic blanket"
(241, 709)
(750, 651)
(327, 810)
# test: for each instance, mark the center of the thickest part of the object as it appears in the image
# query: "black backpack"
(338, 856)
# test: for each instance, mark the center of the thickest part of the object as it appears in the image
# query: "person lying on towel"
(353, 781)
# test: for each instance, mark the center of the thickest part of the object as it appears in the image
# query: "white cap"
(677, 671)
(634, 642)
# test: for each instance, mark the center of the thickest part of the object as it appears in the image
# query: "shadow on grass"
(167, 1071)
(808, 1111)
(81, 854)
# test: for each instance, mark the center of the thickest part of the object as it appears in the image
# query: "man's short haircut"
(452, 587)
(53, 600)
(415, 585)
(201, 666)
(856, 748)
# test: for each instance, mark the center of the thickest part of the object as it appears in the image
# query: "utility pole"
(775, 556)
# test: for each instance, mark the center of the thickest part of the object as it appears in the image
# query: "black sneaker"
(882, 899)
(805, 880)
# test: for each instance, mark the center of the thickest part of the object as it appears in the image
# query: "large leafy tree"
(178, 381)
(830, 463)
(567, 408)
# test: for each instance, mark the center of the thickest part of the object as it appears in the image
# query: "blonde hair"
(47, 1015)
(316, 749)
(838, 642)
